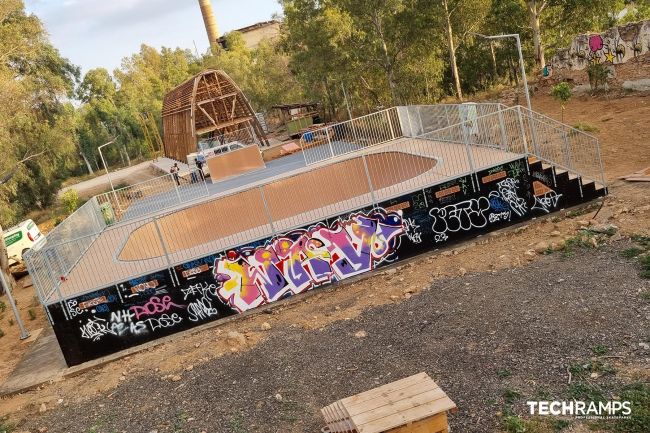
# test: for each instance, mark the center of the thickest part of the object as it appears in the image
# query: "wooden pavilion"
(208, 103)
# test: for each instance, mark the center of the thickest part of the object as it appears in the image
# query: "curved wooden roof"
(209, 102)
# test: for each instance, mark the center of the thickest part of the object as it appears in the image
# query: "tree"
(562, 92)
(36, 116)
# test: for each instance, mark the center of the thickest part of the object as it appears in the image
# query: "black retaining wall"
(228, 282)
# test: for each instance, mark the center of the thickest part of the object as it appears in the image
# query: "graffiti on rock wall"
(615, 46)
(304, 259)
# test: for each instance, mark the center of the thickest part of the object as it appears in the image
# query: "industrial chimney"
(210, 21)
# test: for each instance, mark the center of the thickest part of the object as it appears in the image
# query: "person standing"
(200, 160)
(174, 171)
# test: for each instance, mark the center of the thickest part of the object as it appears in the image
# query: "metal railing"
(429, 151)
(331, 141)
(342, 138)
(151, 196)
(69, 241)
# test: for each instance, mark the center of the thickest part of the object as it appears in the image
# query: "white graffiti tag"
(95, 329)
(412, 231)
(547, 202)
(508, 192)
(460, 216)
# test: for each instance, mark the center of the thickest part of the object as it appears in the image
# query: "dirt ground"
(226, 378)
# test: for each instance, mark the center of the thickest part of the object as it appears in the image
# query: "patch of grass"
(584, 391)
(236, 423)
(6, 427)
(582, 240)
(2, 334)
(11, 322)
(542, 394)
(581, 371)
(642, 240)
(645, 296)
(3, 307)
(560, 424)
(599, 350)
(514, 424)
(32, 314)
(181, 419)
(581, 211)
(586, 127)
(502, 374)
(631, 253)
(639, 395)
(510, 395)
(645, 266)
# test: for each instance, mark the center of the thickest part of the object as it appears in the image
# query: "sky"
(99, 33)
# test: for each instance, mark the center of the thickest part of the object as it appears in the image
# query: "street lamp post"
(521, 61)
(106, 168)
(4, 284)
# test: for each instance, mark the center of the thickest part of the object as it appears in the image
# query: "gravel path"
(477, 336)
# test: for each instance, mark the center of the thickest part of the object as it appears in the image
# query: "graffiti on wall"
(304, 259)
(229, 282)
(615, 46)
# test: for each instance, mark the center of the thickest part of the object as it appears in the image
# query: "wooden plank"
(392, 397)
(429, 399)
(434, 424)
(413, 414)
(384, 389)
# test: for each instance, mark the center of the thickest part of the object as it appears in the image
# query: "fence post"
(205, 183)
(408, 116)
(267, 210)
(419, 109)
(600, 163)
(329, 141)
(162, 242)
(38, 285)
(57, 287)
(523, 132)
(5, 286)
(390, 123)
(567, 151)
(504, 137)
(470, 158)
(372, 189)
(178, 194)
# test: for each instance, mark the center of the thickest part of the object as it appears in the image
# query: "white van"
(21, 238)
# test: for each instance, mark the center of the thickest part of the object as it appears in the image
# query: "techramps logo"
(601, 410)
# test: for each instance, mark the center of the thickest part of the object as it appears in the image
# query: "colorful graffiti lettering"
(304, 259)
(155, 305)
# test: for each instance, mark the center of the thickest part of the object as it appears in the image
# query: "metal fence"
(397, 152)
(382, 126)
(151, 196)
(68, 242)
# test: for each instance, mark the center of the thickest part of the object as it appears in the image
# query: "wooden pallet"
(415, 404)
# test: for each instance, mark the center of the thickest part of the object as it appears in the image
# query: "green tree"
(35, 115)
(561, 92)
